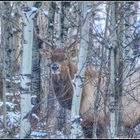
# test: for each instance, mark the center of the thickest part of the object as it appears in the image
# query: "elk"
(63, 70)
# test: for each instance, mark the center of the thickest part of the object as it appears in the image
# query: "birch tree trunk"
(58, 41)
(120, 65)
(64, 25)
(57, 21)
(44, 70)
(129, 31)
(48, 107)
(17, 21)
(5, 41)
(102, 65)
(26, 69)
(35, 88)
(112, 99)
(76, 131)
(3, 76)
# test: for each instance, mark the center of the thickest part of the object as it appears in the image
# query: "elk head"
(63, 70)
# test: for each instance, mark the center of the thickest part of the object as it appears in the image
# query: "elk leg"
(87, 131)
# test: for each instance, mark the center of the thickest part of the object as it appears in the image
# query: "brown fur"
(62, 84)
(68, 70)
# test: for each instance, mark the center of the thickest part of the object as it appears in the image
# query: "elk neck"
(63, 88)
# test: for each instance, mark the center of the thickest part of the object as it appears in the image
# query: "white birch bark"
(57, 23)
(75, 118)
(25, 102)
(112, 128)
(120, 65)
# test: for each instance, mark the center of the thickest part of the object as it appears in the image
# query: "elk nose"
(55, 67)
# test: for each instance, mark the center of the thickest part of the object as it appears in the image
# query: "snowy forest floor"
(13, 121)
(37, 130)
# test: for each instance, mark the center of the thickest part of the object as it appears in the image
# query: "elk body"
(63, 70)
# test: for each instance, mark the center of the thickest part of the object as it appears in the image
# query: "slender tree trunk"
(76, 131)
(44, 69)
(16, 42)
(5, 41)
(36, 64)
(129, 31)
(57, 21)
(64, 22)
(26, 69)
(63, 40)
(48, 106)
(4, 85)
(112, 99)
(120, 64)
(58, 37)
(98, 94)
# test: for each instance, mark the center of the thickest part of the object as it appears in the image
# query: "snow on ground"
(38, 134)
(14, 119)
(9, 104)
(12, 94)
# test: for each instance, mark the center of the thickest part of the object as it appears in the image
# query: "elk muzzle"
(55, 68)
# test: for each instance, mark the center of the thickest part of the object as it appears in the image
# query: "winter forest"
(69, 69)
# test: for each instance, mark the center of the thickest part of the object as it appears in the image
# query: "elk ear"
(73, 52)
(73, 49)
(45, 53)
